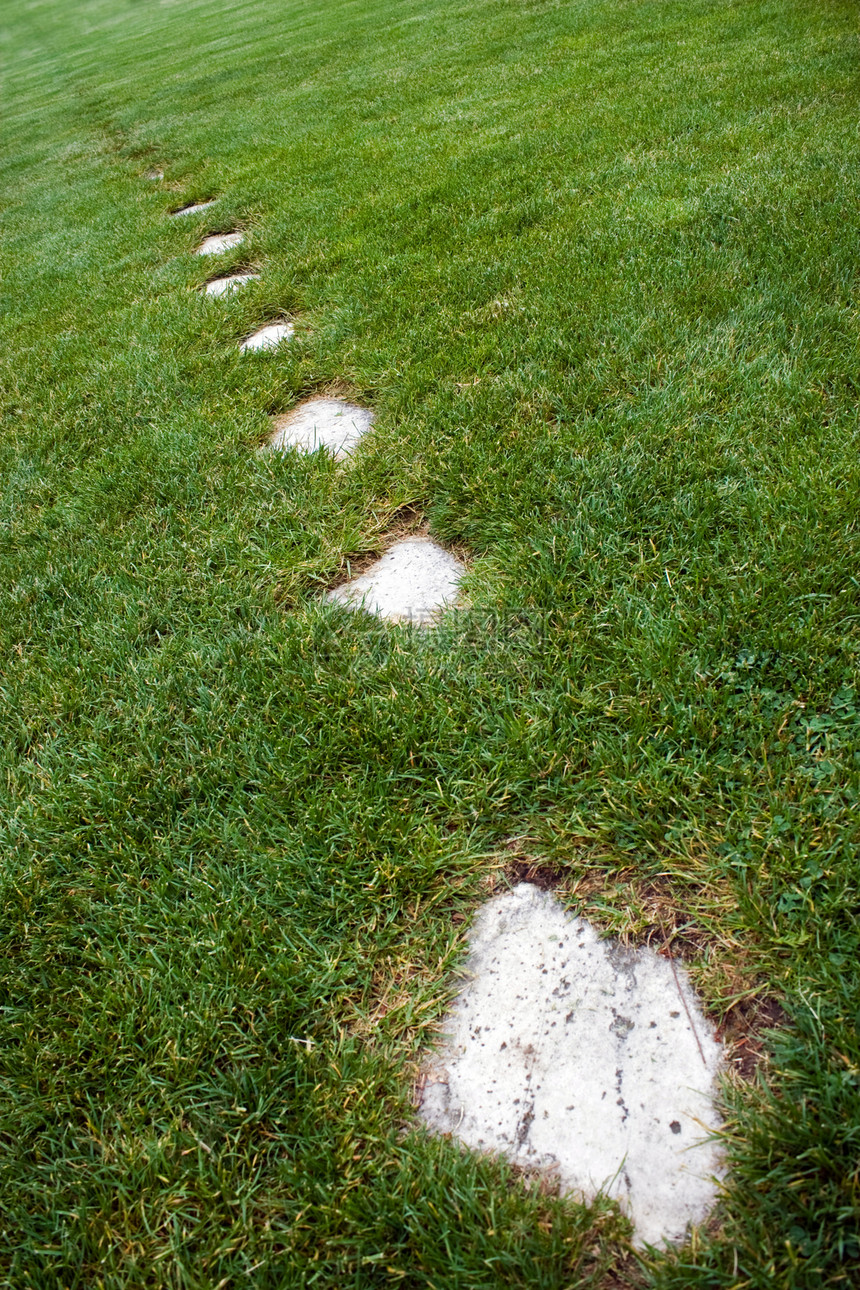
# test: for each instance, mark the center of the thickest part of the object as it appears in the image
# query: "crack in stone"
(619, 1101)
(527, 1118)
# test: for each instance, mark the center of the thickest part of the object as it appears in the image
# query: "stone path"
(564, 1052)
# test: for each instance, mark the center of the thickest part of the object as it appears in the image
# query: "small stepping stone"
(221, 286)
(409, 584)
(573, 1054)
(193, 208)
(268, 337)
(217, 243)
(332, 424)
(154, 175)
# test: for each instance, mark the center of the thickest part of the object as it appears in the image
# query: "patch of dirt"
(545, 877)
(744, 1029)
(523, 867)
(629, 1279)
(407, 522)
(668, 921)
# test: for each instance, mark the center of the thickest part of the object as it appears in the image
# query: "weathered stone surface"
(154, 175)
(332, 424)
(268, 337)
(193, 209)
(571, 1053)
(223, 286)
(410, 583)
(217, 243)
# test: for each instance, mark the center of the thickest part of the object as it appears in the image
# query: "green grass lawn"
(595, 266)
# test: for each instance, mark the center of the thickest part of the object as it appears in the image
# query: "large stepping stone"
(332, 424)
(217, 243)
(193, 209)
(268, 337)
(411, 583)
(573, 1054)
(223, 286)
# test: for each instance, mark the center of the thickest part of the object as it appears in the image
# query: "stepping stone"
(216, 243)
(268, 337)
(322, 423)
(409, 584)
(221, 286)
(193, 208)
(154, 175)
(576, 1055)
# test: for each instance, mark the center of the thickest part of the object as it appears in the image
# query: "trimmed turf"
(595, 267)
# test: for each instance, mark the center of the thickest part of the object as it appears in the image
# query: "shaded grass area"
(594, 265)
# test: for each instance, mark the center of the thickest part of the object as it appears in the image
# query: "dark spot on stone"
(621, 1026)
(675, 1126)
(674, 1014)
(525, 1125)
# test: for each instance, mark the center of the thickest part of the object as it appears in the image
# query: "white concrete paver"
(572, 1053)
(410, 583)
(217, 243)
(268, 337)
(223, 286)
(332, 424)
